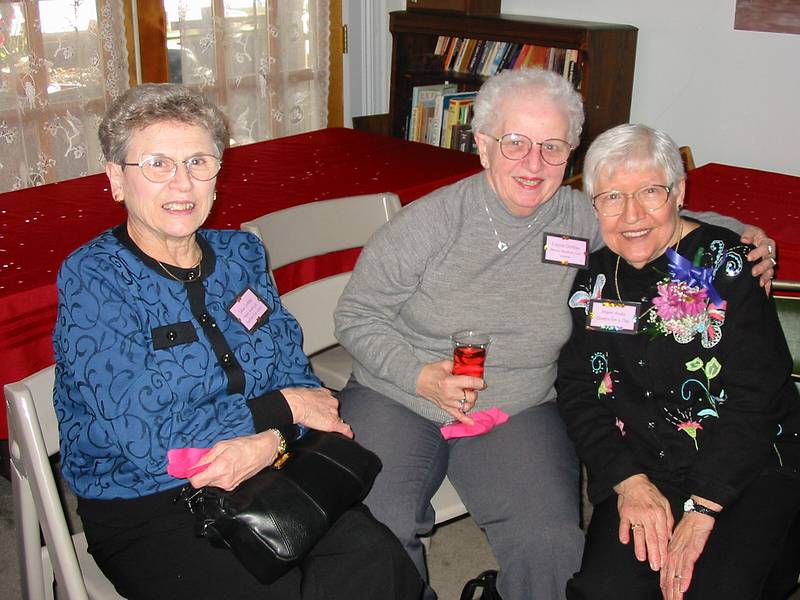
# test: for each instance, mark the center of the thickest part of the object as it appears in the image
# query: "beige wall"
(733, 96)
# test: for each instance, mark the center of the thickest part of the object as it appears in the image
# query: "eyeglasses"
(515, 146)
(650, 197)
(158, 169)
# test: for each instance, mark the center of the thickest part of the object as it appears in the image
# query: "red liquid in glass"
(468, 360)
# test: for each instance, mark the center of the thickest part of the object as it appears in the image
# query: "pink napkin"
(181, 461)
(485, 421)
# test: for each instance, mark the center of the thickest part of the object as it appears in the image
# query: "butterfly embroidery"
(580, 299)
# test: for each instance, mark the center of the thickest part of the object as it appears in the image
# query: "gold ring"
(636, 525)
(678, 576)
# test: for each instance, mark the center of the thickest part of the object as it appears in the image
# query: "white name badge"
(565, 250)
(613, 316)
(250, 310)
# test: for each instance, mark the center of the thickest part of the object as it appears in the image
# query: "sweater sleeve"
(755, 367)
(387, 273)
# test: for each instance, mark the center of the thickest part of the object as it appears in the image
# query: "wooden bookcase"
(607, 54)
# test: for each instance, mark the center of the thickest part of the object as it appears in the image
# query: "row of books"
(440, 116)
(487, 57)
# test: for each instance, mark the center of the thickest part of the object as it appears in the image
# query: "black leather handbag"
(274, 519)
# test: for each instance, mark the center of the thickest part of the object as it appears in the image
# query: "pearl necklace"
(501, 245)
(191, 275)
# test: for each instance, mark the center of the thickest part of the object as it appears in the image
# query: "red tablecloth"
(40, 226)
(769, 200)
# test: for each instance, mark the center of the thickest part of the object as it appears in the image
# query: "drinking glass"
(469, 352)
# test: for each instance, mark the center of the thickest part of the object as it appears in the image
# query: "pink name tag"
(613, 316)
(250, 310)
(565, 250)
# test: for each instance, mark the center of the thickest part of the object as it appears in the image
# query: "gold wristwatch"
(283, 450)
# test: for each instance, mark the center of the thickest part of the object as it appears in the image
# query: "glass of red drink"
(469, 352)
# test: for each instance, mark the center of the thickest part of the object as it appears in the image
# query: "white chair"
(33, 439)
(314, 229)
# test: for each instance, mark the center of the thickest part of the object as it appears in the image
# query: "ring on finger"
(462, 403)
(774, 262)
(636, 525)
(770, 249)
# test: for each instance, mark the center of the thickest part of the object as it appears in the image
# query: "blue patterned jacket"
(145, 363)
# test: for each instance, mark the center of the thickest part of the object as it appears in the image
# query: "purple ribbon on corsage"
(682, 269)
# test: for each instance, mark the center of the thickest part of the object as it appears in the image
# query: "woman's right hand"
(645, 511)
(437, 384)
(316, 408)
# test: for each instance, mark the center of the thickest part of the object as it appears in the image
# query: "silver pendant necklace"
(501, 245)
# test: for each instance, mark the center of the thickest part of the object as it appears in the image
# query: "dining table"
(41, 226)
(769, 200)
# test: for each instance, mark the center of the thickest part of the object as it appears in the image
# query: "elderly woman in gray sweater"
(470, 256)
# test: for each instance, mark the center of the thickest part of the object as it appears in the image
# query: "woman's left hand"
(685, 547)
(764, 253)
(232, 461)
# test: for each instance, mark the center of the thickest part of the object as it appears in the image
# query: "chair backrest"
(789, 314)
(311, 230)
(33, 439)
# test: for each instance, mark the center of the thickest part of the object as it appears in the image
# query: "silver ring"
(769, 248)
(636, 525)
(462, 402)
(774, 262)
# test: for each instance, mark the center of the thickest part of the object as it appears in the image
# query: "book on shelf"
(452, 53)
(441, 115)
(469, 49)
(423, 103)
(441, 44)
(480, 48)
(459, 112)
(522, 57)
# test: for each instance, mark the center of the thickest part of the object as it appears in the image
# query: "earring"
(214, 197)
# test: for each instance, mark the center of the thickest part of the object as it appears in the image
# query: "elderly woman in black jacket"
(676, 390)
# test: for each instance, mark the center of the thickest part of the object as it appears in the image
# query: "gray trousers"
(519, 483)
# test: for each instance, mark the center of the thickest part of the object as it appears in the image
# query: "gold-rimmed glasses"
(650, 197)
(515, 146)
(158, 169)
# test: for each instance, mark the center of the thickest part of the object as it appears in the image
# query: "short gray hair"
(150, 103)
(631, 147)
(530, 83)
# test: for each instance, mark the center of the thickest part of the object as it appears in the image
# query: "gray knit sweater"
(436, 269)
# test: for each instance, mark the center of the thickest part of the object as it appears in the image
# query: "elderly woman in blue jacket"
(171, 336)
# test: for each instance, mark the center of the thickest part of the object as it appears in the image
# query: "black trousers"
(148, 550)
(740, 556)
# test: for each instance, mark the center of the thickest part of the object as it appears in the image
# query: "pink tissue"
(485, 421)
(181, 461)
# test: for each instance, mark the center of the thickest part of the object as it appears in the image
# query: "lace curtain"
(61, 63)
(264, 62)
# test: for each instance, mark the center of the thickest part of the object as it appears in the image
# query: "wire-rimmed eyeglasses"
(515, 146)
(650, 197)
(158, 169)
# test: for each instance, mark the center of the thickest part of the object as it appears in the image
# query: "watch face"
(688, 506)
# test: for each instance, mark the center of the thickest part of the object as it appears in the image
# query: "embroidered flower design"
(677, 300)
(690, 428)
(606, 385)
(687, 304)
